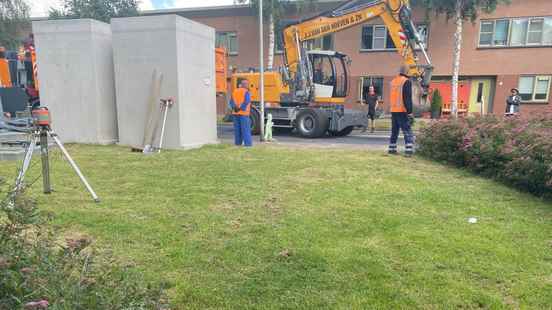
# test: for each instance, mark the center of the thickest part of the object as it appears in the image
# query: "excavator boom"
(396, 15)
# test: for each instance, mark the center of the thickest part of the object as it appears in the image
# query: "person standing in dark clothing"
(401, 112)
(371, 99)
(513, 102)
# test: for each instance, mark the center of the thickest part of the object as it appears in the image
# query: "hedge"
(514, 150)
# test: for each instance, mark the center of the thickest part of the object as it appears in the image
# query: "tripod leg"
(45, 161)
(26, 163)
(74, 166)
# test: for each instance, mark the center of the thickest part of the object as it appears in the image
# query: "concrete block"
(75, 70)
(183, 51)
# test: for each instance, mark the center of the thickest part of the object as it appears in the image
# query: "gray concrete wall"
(75, 70)
(183, 51)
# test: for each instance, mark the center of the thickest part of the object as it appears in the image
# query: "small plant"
(436, 104)
(37, 272)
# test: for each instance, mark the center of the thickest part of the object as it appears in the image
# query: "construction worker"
(5, 78)
(371, 99)
(240, 103)
(401, 111)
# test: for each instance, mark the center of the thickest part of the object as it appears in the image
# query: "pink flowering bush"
(515, 150)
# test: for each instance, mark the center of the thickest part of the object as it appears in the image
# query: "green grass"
(363, 230)
(384, 123)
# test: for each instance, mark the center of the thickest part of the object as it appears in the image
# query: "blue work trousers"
(242, 130)
(400, 121)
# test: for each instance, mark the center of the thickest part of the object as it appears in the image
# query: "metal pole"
(26, 164)
(45, 162)
(261, 68)
(75, 167)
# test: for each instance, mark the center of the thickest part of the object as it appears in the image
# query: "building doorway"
(481, 96)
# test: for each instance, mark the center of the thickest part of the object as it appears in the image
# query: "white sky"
(40, 8)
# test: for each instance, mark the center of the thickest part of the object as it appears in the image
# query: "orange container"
(41, 116)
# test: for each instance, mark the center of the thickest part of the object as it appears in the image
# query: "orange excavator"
(308, 93)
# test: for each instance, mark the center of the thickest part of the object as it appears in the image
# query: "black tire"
(343, 132)
(255, 118)
(312, 123)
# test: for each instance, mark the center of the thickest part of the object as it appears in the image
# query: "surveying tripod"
(40, 132)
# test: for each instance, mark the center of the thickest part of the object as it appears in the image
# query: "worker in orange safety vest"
(240, 104)
(401, 112)
(5, 78)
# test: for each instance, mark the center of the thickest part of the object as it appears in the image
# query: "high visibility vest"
(397, 104)
(5, 77)
(238, 96)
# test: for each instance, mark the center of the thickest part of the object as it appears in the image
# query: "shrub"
(515, 150)
(38, 273)
(436, 104)
(419, 109)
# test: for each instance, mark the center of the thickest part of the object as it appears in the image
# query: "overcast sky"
(41, 7)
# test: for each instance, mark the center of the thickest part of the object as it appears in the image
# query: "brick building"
(509, 48)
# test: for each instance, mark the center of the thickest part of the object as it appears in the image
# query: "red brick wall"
(504, 64)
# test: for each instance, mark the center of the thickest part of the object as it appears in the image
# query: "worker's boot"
(392, 149)
(409, 150)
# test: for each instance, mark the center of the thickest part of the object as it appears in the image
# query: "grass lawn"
(272, 227)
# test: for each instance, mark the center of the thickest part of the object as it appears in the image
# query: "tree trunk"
(456, 58)
(271, 40)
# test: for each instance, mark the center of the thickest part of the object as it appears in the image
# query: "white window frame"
(320, 40)
(229, 34)
(531, 20)
(507, 34)
(491, 33)
(426, 43)
(535, 79)
(361, 85)
(510, 25)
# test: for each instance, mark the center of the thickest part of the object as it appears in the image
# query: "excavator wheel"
(312, 123)
(343, 132)
(255, 118)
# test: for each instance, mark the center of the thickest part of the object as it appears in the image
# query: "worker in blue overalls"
(240, 104)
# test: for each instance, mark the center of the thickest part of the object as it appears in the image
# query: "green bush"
(38, 271)
(436, 104)
(515, 150)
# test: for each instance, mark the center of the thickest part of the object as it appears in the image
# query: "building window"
(324, 43)
(377, 38)
(365, 82)
(227, 40)
(535, 31)
(534, 88)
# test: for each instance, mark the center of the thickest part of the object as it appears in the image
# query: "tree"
(273, 11)
(102, 10)
(459, 11)
(14, 14)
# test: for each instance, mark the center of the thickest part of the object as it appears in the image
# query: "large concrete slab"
(183, 51)
(75, 70)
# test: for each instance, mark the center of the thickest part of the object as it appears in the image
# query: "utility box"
(182, 52)
(75, 70)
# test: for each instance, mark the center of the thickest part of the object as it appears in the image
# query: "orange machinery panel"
(445, 88)
(221, 70)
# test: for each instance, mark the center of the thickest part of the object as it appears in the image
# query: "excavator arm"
(396, 15)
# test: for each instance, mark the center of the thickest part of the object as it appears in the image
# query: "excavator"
(308, 92)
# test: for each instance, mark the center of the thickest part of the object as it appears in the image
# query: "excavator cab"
(329, 75)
